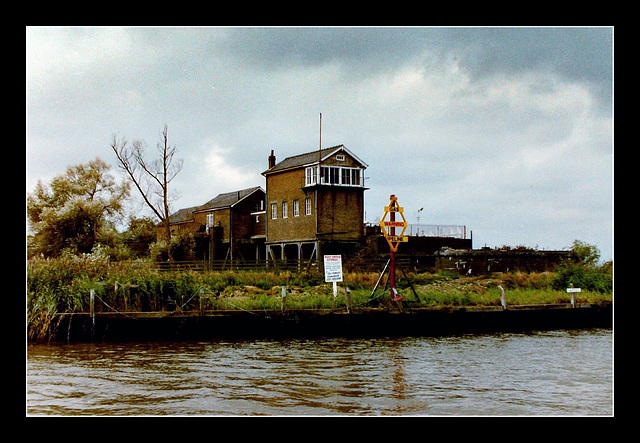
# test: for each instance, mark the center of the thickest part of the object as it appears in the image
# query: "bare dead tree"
(151, 179)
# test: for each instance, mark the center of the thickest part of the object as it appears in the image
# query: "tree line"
(79, 211)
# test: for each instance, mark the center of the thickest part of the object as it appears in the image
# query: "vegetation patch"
(63, 285)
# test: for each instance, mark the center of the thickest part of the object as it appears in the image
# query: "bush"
(589, 278)
(182, 248)
(534, 280)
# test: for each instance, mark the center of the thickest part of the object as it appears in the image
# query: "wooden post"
(347, 296)
(573, 297)
(201, 300)
(503, 298)
(283, 298)
(92, 306)
(572, 291)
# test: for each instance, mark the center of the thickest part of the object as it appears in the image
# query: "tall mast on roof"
(320, 148)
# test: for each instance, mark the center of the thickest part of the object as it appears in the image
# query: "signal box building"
(314, 204)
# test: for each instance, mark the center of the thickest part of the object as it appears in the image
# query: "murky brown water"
(539, 373)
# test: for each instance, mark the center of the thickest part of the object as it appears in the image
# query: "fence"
(368, 264)
(452, 231)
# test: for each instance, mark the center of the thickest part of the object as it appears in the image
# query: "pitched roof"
(182, 215)
(227, 199)
(299, 160)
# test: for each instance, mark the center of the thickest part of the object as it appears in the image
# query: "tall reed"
(63, 286)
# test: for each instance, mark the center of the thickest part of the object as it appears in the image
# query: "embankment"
(302, 323)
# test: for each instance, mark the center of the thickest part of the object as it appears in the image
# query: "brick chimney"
(272, 160)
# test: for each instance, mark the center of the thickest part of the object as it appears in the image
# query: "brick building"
(315, 204)
(231, 225)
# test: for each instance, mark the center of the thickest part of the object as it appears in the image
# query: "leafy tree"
(585, 274)
(74, 210)
(587, 254)
(588, 278)
(180, 248)
(139, 236)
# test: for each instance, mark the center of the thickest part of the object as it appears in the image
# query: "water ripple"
(542, 373)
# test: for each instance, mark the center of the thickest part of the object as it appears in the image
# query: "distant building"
(231, 225)
(315, 204)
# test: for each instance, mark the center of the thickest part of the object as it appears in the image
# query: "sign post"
(393, 239)
(333, 271)
(573, 291)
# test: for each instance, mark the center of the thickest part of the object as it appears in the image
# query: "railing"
(452, 231)
(312, 181)
(366, 264)
(231, 265)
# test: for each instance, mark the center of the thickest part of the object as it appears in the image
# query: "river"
(548, 373)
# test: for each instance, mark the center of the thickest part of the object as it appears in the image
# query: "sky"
(505, 130)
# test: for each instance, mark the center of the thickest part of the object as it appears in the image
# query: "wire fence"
(366, 264)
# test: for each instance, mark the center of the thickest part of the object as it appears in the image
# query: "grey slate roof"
(220, 201)
(227, 199)
(182, 215)
(301, 159)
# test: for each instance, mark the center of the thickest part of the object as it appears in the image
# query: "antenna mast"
(321, 131)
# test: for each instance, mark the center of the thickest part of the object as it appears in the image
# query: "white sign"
(574, 290)
(332, 268)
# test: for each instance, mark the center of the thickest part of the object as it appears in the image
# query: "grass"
(63, 286)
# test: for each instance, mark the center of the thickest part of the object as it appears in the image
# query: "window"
(209, 220)
(285, 209)
(355, 177)
(330, 175)
(346, 176)
(333, 175)
(296, 208)
(340, 157)
(311, 175)
(307, 206)
(274, 211)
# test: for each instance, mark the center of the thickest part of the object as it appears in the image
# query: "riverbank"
(300, 323)
(63, 294)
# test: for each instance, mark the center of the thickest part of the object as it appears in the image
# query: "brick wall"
(340, 213)
(287, 187)
(340, 210)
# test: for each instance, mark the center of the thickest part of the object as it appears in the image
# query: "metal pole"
(392, 254)
(380, 278)
(320, 147)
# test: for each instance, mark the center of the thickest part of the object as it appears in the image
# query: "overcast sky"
(508, 131)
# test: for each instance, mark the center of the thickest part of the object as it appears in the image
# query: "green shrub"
(589, 278)
(63, 285)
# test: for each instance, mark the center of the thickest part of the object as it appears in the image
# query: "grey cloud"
(434, 136)
(578, 54)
